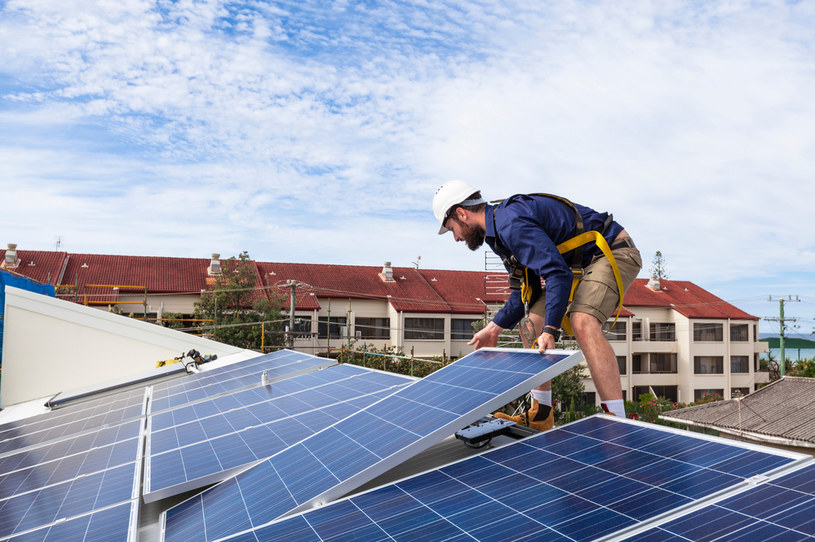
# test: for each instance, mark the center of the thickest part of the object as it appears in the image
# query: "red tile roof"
(684, 297)
(412, 290)
(41, 266)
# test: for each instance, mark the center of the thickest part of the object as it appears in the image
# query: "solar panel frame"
(520, 370)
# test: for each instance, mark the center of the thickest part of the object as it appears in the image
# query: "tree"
(237, 307)
(658, 270)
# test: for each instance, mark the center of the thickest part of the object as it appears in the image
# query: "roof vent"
(387, 273)
(11, 261)
(653, 284)
(215, 265)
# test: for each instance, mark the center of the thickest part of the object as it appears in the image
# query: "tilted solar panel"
(70, 422)
(118, 523)
(782, 508)
(230, 378)
(583, 481)
(198, 445)
(362, 446)
(39, 497)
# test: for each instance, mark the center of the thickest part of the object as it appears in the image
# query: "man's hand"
(487, 336)
(546, 341)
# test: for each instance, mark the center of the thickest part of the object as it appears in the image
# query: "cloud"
(301, 132)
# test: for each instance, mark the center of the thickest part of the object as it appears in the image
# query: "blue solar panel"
(578, 482)
(74, 420)
(362, 446)
(782, 508)
(56, 482)
(227, 379)
(216, 437)
(115, 524)
(29, 471)
(82, 495)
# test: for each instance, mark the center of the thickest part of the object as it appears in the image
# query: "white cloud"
(306, 133)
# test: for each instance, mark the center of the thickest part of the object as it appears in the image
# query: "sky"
(317, 132)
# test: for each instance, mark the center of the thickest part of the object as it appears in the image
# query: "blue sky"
(318, 131)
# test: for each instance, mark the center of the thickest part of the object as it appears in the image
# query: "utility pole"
(290, 339)
(782, 325)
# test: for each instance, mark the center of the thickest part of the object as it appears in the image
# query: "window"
(701, 394)
(373, 328)
(618, 331)
(424, 328)
(662, 362)
(708, 365)
(302, 326)
(462, 328)
(663, 331)
(708, 332)
(588, 398)
(621, 364)
(336, 324)
(636, 331)
(739, 392)
(739, 332)
(654, 363)
(670, 393)
(636, 363)
(739, 364)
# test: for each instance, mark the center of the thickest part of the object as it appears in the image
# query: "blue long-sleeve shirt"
(530, 228)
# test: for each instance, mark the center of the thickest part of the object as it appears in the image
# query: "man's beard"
(472, 235)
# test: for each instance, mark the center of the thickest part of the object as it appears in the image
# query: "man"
(525, 231)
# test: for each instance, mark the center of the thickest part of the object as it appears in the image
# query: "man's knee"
(584, 324)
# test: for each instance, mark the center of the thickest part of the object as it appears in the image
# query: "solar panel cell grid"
(333, 460)
(223, 380)
(572, 483)
(779, 509)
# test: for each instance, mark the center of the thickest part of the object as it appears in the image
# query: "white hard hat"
(450, 194)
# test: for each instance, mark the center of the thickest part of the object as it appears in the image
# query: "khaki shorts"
(596, 292)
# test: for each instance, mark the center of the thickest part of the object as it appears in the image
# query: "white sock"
(542, 397)
(616, 407)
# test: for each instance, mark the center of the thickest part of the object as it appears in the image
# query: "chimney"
(215, 265)
(11, 261)
(387, 273)
(653, 283)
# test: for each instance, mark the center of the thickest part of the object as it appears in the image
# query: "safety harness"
(519, 274)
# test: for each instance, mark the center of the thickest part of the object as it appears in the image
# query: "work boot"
(540, 417)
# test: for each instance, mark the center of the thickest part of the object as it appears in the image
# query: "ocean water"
(792, 354)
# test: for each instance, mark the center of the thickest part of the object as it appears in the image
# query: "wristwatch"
(552, 331)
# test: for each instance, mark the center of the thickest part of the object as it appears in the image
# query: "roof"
(782, 412)
(684, 297)
(411, 290)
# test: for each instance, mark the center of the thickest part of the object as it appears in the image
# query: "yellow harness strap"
(581, 240)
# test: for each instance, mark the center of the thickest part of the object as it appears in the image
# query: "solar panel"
(782, 508)
(118, 523)
(56, 463)
(583, 481)
(230, 378)
(37, 497)
(69, 422)
(197, 445)
(366, 444)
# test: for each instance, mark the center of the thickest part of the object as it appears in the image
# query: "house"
(672, 338)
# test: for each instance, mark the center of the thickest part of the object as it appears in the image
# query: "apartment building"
(672, 338)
